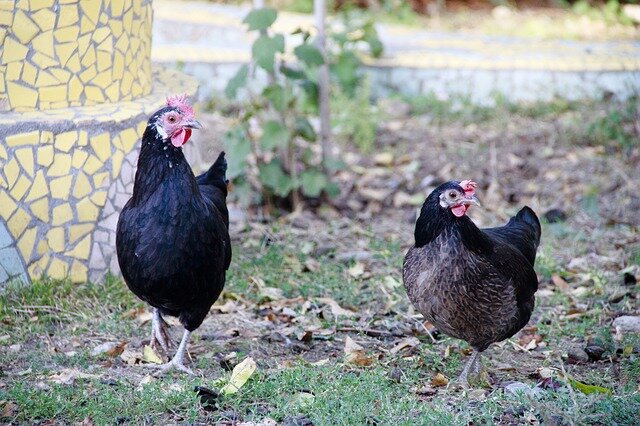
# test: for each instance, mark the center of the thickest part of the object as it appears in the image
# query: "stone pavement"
(209, 41)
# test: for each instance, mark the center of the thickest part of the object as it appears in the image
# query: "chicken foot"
(177, 361)
(473, 368)
(159, 332)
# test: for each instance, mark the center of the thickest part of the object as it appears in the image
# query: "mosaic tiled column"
(76, 90)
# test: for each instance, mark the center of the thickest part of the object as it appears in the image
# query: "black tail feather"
(216, 175)
(527, 215)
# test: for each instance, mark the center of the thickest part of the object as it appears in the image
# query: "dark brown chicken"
(473, 284)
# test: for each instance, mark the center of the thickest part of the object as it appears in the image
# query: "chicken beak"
(471, 200)
(193, 124)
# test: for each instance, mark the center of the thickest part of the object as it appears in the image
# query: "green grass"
(286, 386)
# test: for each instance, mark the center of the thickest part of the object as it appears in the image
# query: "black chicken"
(172, 240)
(473, 284)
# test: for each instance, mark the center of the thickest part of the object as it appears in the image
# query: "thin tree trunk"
(320, 10)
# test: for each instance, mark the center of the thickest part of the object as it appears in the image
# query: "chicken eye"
(172, 119)
(452, 194)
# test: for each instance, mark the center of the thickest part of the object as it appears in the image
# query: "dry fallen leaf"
(131, 357)
(356, 270)
(239, 376)
(68, 375)
(149, 355)
(113, 349)
(355, 354)
(9, 410)
(407, 342)
(336, 309)
(559, 282)
(439, 380)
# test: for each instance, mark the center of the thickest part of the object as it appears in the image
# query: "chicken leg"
(159, 333)
(177, 361)
(473, 367)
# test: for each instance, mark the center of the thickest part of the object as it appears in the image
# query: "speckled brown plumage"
(472, 284)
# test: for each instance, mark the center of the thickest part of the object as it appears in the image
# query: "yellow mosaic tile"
(26, 243)
(64, 141)
(6, 17)
(106, 45)
(61, 187)
(62, 75)
(62, 214)
(116, 163)
(78, 231)
(36, 270)
(82, 186)
(101, 146)
(116, 27)
(118, 66)
(99, 198)
(40, 209)
(21, 96)
(6, 5)
(43, 247)
(40, 4)
(100, 179)
(45, 155)
(12, 172)
(87, 212)
(55, 237)
(23, 27)
(86, 26)
(25, 158)
(3, 152)
(43, 43)
(29, 73)
(46, 79)
(58, 269)
(103, 79)
(79, 157)
(68, 14)
(39, 187)
(92, 165)
(43, 61)
(13, 71)
(46, 137)
(61, 165)
(29, 138)
(78, 273)
(75, 88)
(18, 222)
(113, 91)
(129, 139)
(65, 50)
(67, 34)
(117, 7)
(45, 18)
(7, 205)
(53, 93)
(94, 93)
(88, 74)
(74, 63)
(91, 9)
(83, 138)
(100, 34)
(89, 57)
(13, 51)
(81, 250)
(20, 188)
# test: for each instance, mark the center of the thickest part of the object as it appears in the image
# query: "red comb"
(469, 187)
(182, 103)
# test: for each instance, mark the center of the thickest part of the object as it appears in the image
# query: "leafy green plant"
(277, 159)
(620, 125)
